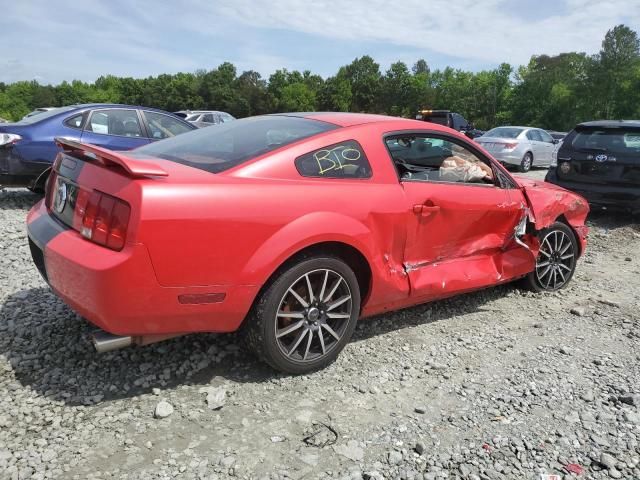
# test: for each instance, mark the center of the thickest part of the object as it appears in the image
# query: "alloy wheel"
(556, 260)
(313, 315)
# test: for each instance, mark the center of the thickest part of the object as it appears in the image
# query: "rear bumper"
(119, 291)
(508, 158)
(610, 196)
(15, 172)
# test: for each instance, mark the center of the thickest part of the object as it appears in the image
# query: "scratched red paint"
(192, 232)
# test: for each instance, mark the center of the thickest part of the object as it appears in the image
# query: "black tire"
(541, 279)
(526, 163)
(259, 332)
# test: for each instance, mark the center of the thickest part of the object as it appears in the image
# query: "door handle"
(425, 210)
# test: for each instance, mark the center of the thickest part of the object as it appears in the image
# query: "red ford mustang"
(290, 228)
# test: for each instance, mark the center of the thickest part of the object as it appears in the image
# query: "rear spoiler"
(134, 167)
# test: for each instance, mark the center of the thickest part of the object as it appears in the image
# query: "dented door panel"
(466, 242)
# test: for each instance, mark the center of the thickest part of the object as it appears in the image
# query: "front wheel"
(556, 260)
(306, 316)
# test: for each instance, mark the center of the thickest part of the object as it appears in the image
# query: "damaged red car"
(290, 228)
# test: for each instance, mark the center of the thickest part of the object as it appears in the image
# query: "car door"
(534, 146)
(115, 129)
(459, 230)
(549, 147)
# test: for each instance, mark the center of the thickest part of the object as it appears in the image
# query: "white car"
(523, 147)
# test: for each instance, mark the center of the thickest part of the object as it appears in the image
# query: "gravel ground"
(498, 384)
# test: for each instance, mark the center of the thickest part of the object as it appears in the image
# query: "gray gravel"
(498, 384)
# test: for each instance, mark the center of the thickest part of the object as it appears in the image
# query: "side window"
(534, 135)
(341, 160)
(74, 122)
(163, 126)
(115, 122)
(545, 136)
(208, 117)
(432, 159)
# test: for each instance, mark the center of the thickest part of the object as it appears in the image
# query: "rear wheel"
(526, 163)
(306, 316)
(556, 260)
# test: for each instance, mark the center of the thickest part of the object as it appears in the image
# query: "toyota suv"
(601, 161)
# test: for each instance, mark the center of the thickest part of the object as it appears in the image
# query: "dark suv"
(601, 161)
(449, 119)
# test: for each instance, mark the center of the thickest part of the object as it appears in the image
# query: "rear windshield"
(614, 140)
(504, 132)
(232, 143)
(44, 115)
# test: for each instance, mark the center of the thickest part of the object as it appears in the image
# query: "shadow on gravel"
(611, 220)
(17, 199)
(48, 348)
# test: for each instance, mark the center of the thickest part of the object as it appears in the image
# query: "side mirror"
(555, 141)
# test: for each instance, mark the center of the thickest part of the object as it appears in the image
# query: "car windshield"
(614, 140)
(44, 115)
(232, 143)
(504, 132)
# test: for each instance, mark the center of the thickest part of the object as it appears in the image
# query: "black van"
(601, 161)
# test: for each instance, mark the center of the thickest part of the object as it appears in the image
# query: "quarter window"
(74, 122)
(432, 159)
(115, 122)
(340, 160)
(163, 126)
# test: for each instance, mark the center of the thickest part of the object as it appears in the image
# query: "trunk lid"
(601, 155)
(496, 144)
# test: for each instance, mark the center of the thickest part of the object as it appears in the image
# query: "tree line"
(553, 92)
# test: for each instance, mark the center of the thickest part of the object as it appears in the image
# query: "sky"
(55, 40)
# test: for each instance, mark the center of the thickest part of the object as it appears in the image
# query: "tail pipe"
(107, 342)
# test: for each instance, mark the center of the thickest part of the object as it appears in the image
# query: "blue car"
(27, 147)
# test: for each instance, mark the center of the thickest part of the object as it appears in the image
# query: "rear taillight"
(510, 146)
(101, 218)
(9, 139)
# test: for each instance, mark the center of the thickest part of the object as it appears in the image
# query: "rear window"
(504, 132)
(44, 115)
(613, 140)
(229, 144)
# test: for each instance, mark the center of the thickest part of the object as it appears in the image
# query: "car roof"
(611, 123)
(517, 126)
(84, 106)
(344, 119)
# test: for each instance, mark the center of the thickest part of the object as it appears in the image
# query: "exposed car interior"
(437, 160)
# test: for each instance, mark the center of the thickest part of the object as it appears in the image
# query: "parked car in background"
(27, 147)
(205, 118)
(522, 147)
(601, 161)
(38, 111)
(290, 227)
(449, 119)
(557, 135)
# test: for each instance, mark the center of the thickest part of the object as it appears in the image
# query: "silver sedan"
(523, 147)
